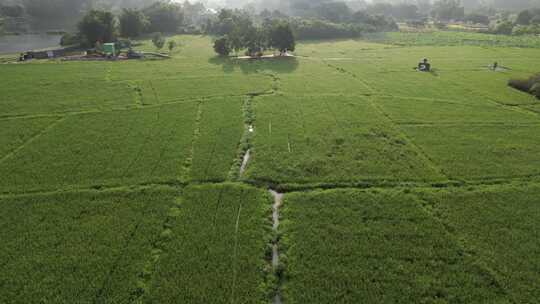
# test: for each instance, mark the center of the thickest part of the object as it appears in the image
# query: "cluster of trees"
(64, 14)
(526, 22)
(12, 17)
(310, 29)
(105, 26)
(329, 23)
(238, 32)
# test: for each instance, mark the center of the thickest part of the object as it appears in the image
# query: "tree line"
(65, 14)
(238, 32)
(99, 25)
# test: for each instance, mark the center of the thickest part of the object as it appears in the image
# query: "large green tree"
(98, 25)
(164, 17)
(337, 12)
(449, 10)
(282, 38)
(55, 13)
(222, 46)
(132, 22)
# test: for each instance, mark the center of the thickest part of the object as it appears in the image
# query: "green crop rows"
(80, 247)
(350, 246)
(120, 182)
(216, 252)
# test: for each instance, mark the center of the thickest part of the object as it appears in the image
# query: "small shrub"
(158, 40)
(531, 85)
(520, 84)
(535, 90)
(70, 39)
(503, 28)
(222, 46)
(171, 45)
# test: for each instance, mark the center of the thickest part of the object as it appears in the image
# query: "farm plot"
(346, 48)
(314, 77)
(188, 46)
(57, 88)
(499, 226)
(16, 132)
(409, 84)
(84, 247)
(478, 152)
(466, 78)
(174, 89)
(349, 246)
(220, 130)
(452, 38)
(216, 252)
(409, 110)
(178, 79)
(125, 147)
(491, 85)
(329, 140)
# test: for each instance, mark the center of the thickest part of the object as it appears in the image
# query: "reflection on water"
(21, 43)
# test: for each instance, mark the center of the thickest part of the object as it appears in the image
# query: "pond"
(21, 43)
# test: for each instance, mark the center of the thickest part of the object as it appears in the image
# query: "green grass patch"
(15, 133)
(329, 139)
(220, 131)
(84, 247)
(350, 246)
(216, 252)
(492, 85)
(170, 90)
(317, 78)
(47, 87)
(533, 108)
(499, 227)
(451, 38)
(114, 148)
(477, 152)
(424, 110)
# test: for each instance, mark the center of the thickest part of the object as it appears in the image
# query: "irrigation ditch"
(278, 201)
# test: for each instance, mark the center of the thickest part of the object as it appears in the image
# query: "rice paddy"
(120, 182)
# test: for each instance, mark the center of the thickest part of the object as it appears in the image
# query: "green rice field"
(340, 175)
